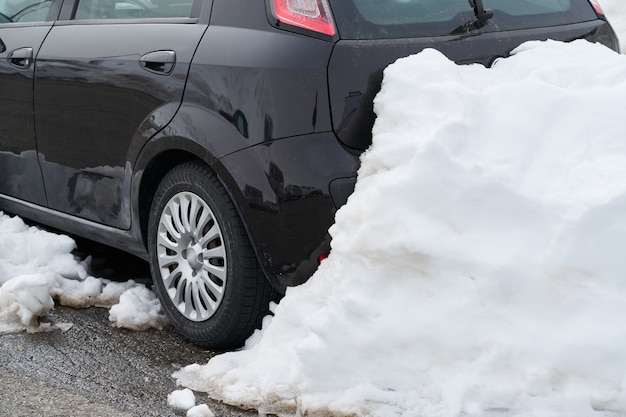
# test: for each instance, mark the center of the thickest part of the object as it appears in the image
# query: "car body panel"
(266, 84)
(86, 160)
(282, 189)
(19, 165)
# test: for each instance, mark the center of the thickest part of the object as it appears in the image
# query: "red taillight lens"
(312, 15)
(597, 7)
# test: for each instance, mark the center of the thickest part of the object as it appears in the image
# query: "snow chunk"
(139, 309)
(201, 410)
(77, 294)
(112, 292)
(182, 399)
(22, 300)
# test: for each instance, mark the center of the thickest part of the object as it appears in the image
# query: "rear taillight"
(597, 7)
(314, 15)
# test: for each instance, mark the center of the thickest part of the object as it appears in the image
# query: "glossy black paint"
(282, 188)
(275, 80)
(117, 104)
(20, 175)
(121, 103)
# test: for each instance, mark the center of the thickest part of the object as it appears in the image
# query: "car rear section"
(240, 188)
(290, 96)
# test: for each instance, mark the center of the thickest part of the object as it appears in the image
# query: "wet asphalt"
(94, 369)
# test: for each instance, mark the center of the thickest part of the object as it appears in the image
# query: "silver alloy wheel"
(191, 256)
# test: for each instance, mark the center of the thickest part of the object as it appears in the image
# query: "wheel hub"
(193, 256)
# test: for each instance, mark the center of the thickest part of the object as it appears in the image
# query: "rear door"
(110, 74)
(23, 26)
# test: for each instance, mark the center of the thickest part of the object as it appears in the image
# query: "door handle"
(159, 62)
(21, 58)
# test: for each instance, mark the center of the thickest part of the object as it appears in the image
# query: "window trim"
(68, 10)
(151, 20)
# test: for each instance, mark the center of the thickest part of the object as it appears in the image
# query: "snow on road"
(476, 270)
(37, 266)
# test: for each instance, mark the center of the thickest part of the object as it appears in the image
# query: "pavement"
(94, 369)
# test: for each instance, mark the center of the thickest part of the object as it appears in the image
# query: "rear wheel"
(203, 266)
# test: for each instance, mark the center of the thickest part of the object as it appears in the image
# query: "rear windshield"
(375, 19)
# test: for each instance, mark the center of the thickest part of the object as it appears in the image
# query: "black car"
(217, 138)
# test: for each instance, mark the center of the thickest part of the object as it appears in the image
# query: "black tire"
(204, 268)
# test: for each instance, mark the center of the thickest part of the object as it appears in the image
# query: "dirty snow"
(38, 267)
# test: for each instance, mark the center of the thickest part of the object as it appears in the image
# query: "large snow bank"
(478, 268)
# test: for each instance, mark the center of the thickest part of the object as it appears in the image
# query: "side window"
(15, 11)
(131, 9)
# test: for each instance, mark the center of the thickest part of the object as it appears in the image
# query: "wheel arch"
(188, 136)
(156, 160)
(151, 177)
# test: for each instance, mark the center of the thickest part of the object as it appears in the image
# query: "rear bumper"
(288, 191)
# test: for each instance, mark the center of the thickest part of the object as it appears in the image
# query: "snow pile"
(478, 268)
(139, 309)
(37, 267)
(27, 250)
(616, 13)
